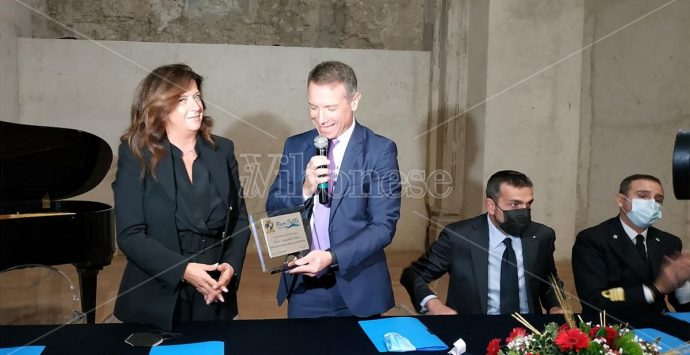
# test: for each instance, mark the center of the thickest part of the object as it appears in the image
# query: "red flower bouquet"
(571, 338)
(583, 339)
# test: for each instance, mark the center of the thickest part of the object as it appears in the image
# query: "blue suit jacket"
(364, 211)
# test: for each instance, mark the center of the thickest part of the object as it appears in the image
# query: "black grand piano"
(40, 166)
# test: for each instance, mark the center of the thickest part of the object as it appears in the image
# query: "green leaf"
(628, 344)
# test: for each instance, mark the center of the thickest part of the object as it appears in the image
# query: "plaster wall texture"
(15, 22)
(533, 104)
(385, 24)
(257, 96)
(640, 97)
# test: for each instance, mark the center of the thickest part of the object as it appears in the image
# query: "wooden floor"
(257, 290)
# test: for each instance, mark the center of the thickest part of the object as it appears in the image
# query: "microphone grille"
(320, 142)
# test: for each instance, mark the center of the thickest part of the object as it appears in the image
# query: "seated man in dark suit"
(620, 264)
(499, 262)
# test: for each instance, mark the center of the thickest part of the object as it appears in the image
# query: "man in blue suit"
(345, 273)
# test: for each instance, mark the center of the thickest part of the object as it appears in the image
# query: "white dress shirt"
(338, 154)
(496, 249)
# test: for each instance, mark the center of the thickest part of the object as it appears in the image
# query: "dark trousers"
(316, 297)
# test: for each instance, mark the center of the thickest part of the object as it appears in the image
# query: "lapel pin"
(615, 236)
(657, 239)
(534, 237)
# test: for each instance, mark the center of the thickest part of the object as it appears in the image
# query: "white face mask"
(644, 212)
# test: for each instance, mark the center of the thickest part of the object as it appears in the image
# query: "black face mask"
(516, 221)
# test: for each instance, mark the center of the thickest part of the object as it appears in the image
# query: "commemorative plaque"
(280, 236)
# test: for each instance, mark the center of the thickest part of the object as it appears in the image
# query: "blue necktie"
(510, 294)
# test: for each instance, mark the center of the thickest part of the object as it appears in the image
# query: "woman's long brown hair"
(155, 97)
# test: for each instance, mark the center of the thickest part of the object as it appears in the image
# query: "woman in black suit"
(177, 189)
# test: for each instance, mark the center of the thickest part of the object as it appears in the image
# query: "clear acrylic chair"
(38, 294)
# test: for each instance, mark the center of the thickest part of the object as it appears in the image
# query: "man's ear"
(354, 103)
(620, 199)
(490, 206)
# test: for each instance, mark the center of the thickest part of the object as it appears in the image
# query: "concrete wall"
(572, 111)
(257, 96)
(577, 127)
(533, 105)
(478, 43)
(15, 22)
(381, 24)
(640, 97)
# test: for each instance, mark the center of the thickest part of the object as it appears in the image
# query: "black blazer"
(462, 251)
(604, 257)
(147, 234)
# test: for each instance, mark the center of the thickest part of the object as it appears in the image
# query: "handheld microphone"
(321, 145)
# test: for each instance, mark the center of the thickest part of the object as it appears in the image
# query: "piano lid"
(60, 162)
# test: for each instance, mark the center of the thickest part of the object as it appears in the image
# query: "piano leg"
(87, 286)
